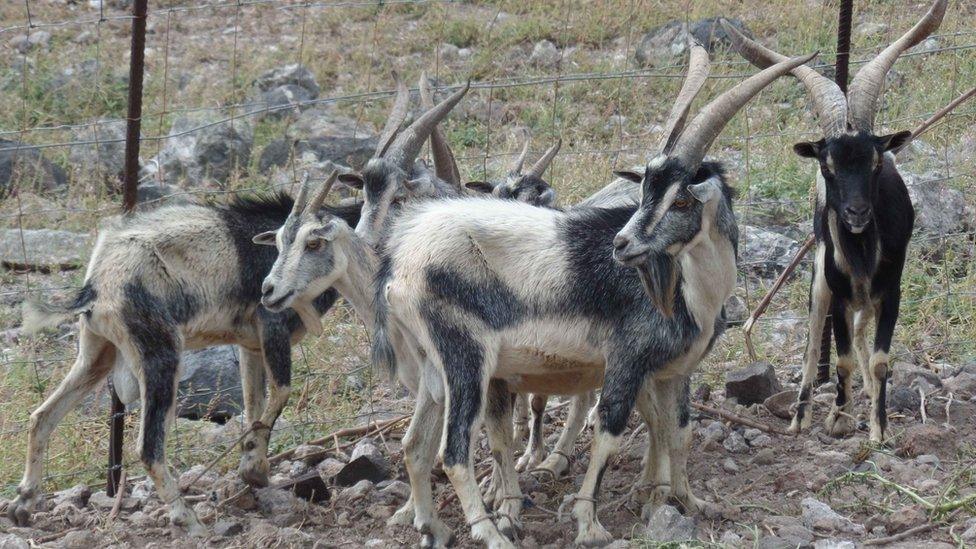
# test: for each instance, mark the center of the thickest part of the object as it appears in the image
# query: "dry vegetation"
(206, 57)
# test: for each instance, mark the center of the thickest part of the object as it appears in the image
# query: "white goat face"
(309, 261)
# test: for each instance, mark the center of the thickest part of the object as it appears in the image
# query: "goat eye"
(313, 245)
(681, 203)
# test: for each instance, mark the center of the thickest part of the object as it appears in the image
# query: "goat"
(863, 222)
(179, 277)
(503, 297)
(528, 187)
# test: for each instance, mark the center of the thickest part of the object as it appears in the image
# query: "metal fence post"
(129, 184)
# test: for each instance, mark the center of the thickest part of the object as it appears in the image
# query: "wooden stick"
(761, 308)
(347, 432)
(925, 126)
(119, 494)
(738, 419)
(898, 537)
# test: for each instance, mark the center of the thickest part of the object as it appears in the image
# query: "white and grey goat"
(862, 222)
(503, 297)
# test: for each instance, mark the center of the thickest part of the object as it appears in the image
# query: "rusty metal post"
(129, 183)
(841, 74)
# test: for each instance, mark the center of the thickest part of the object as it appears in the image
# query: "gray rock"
(310, 454)
(227, 528)
(309, 486)
(781, 404)
(448, 52)
(366, 463)
(394, 489)
(729, 466)
(735, 443)
(668, 524)
(330, 467)
(79, 539)
(752, 384)
(288, 75)
(903, 399)
(939, 210)
(105, 157)
(43, 249)
(714, 431)
(544, 55)
(763, 253)
(27, 170)
(662, 45)
(275, 502)
(199, 148)
(834, 544)
(340, 149)
(766, 456)
(210, 385)
(356, 492)
(819, 517)
(904, 374)
(189, 478)
(11, 541)
(736, 311)
(962, 385)
(761, 441)
(25, 43)
(970, 533)
(151, 195)
(77, 495)
(100, 500)
(284, 91)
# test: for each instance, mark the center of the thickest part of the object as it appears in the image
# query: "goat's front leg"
(94, 362)
(559, 459)
(276, 348)
(467, 366)
(253, 386)
(880, 368)
(679, 418)
(498, 421)
(622, 383)
(819, 304)
(534, 451)
(839, 420)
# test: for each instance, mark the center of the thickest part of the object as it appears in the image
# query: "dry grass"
(196, 60)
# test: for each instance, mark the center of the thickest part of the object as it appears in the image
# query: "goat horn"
(520, 161)
(445, 166)
(698, 68)
(828, 101)
(408, 143)
(323, 192)
(707, 124)
(540, 165)
(302, 198)
(398, 114)
(867, 85)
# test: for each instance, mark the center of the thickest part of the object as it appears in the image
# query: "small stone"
(356, 492)
(834, 544)
(970, 533)
(343, 519)
(923, 439)
(766, 456)
(751, 433)
(667, 524)
(736, 443)
(366, 463)
(69, 512)
(379, 511)
(189, 478)
(730, 466)
(275, 501)
(781, 404)
(10, 541)
(77, 495)
(395, 489)
(903, 399)
(227, 528)
(818, 516)
(928, 460)
(905, 518)
(311, 454)
(100, 500)
(761, 441)
(730, 539)
(544, 54)
(714, 431)
(309, 486)
(79, 539)
(448, 52)
(43, 248)
(752, 384)
(330, 467)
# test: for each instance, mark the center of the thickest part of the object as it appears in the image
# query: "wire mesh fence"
(240, 97)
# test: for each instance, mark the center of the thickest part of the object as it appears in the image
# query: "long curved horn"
(698, 68)
(520, 161)
(445, 166)
(828, 101)
(540, 165)
(867, 85)
(408, 142)
(705, 127)
(319, 198)
(398, 114)
(303, 189)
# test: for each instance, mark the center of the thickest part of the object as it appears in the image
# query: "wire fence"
(573, 69)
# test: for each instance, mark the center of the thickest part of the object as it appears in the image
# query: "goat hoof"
(594, 536)
(20, 511)
(403, 517)
(556, 465)
(839, 425)
(256, 476)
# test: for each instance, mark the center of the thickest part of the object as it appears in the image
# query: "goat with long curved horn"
(445, 165)
(319, 198)
(828, 100)
(543, 162)
(698, 69)
(401, 104)
(408, 142)
(698, 136)
(866, 87)
(303, 189)
(516, 168)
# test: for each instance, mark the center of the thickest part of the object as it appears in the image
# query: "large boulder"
(940, 211)
(667, 524)
(320, 135)
(102, 152)
(664, 44)
(43, 249)
(752, 384)
(202, 148)
(25, 169)
(764, 253)
(284, 90)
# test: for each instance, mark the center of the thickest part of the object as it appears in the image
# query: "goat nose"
(858, 211)
(267, 288)
(620, 242)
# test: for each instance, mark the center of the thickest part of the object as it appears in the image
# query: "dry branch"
(364, 430)
(729, 416)
(900, 536)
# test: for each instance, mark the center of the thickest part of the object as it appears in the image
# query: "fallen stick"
(898, 537)
(761, 308)
(347, 432)
(119, 494)
(55, 536)
(924, 127)
(738, 419)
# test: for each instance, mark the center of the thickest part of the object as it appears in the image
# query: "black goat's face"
(386, 187)
(308, 262)
(851, 165)
(522, 188)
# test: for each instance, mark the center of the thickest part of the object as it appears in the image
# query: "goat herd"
(473, 302)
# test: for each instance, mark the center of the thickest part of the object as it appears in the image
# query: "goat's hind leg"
(498, 422)
(253, 387)
(839, 421)
(534, 451)
(96, 356)
(558, 461)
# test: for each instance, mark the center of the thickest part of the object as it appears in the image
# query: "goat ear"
(267, 238)
(707, 190)
(480, 186)
(326, 232)
(894, 141)
(808, 149)
(548, 198)
(353, 180)
(629, 175)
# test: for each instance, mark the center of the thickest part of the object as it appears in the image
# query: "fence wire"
(62, 82)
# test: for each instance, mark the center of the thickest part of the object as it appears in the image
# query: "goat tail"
(381, 350)
(37, 314)
(382, 354)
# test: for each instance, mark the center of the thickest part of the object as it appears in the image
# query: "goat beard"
(310, 317)
(659, 275)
